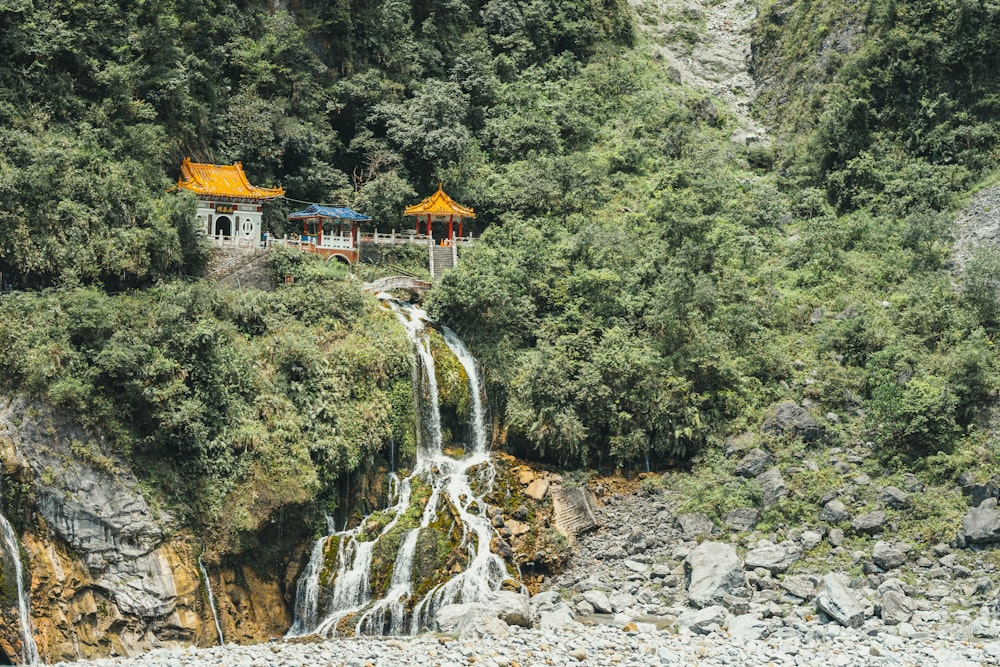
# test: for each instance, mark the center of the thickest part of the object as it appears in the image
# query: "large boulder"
(790, 418)
(839, 602)
(471, 620)
(870, 523)
(712, 571)
(694, 525)
(513, 608)
(773, 557)
(834, 512)
(599, 601)
(888, 555)
(981, 525)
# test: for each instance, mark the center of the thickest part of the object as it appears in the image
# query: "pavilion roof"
(213, 180)
(319, 211)
(440, 204)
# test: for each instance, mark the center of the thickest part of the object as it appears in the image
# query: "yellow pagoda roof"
(213, 180)
(440, 204)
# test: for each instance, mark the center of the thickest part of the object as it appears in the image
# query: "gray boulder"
(887, 555)
(703, 621)
(742, 519)
(870, 523)
(694, 525)
(599, 601)
(470, 621)
(894, 498)
(748, 626)
(754, 463)
(981, 525)
(712, 571)
(513, 608)
(977, 493)
(837, 601)
(834, 512)
(772, 486)
(773, 557)
(895, 607)
(790, 418)
(800, 586)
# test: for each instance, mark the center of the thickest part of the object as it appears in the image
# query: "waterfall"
(29, 650)
(211, 601)
(444, 479)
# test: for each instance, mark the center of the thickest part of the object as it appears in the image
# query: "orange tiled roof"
(213, 180)
(440, 203)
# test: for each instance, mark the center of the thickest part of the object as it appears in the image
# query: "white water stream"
(211, 601)
(319, 611)
(29, 650)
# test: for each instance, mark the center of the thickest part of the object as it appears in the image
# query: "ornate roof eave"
(440, 204)
(222, 182)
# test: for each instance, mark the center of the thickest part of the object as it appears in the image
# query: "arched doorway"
(223, 226)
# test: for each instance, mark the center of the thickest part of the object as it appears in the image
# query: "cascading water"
(402, 606)
(29, 650)
(211, 601)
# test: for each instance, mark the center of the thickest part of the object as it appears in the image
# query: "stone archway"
(223, 226)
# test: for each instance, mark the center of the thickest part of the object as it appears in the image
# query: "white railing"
(233, 242)
(407, 238)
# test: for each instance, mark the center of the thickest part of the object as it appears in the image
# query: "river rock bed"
(799, 643)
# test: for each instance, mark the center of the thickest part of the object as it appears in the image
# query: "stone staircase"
(441, 259)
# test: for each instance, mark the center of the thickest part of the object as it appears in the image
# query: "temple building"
(439, 206)
(330, 231)
(229, 207)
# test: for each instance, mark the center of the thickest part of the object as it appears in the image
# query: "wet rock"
(838, 602)
(712, 571)
(742, 519)
(790, 418)
(870, 523)
(772, 486)
(694, 525)
(754, 463)
(981, 525)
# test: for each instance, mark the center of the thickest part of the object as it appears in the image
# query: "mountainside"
(718, 248)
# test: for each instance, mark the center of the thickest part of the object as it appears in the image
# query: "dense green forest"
(644, 288)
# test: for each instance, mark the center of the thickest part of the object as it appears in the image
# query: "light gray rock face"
(101, 515)
(790, 418)
(694, 525)
(774, 557)
(772, 486)
(981, 525)
(870, 523)
(712, 570)
(754, 463)
(887, 555)
(834, 512)
(98, 513)
(838, 602)
(703, 621)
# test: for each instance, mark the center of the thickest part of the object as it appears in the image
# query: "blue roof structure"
(315, 210)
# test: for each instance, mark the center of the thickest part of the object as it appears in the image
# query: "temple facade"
(229, 207)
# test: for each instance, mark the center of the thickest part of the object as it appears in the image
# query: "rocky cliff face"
(108, 574)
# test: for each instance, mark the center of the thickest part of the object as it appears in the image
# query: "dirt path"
(707, 46)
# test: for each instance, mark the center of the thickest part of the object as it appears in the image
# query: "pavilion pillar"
(451, 233)
(460, 234)
(429, 224)
(319, 231)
